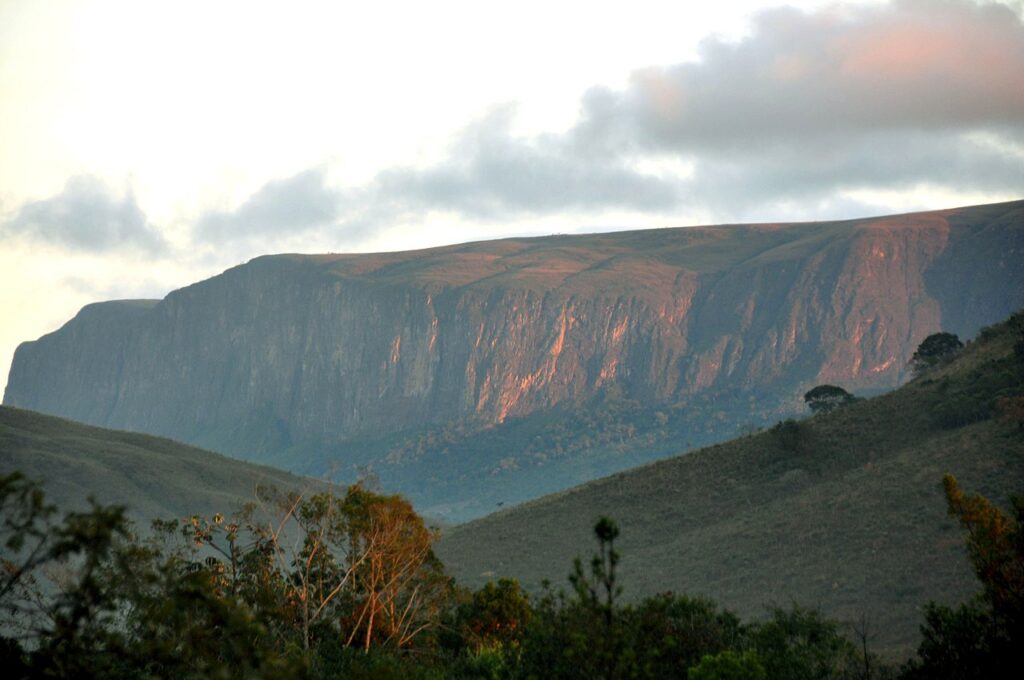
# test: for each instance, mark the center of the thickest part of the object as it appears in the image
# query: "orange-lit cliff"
(291, 348)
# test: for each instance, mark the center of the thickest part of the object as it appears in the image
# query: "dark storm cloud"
(279, 208)
(85, 216)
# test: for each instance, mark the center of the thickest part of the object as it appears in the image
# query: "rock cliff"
(287, 356)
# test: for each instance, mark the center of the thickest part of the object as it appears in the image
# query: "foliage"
(494, 616)
(995, 546)
(249, 597)
(980, 638)
(327, 586)
(729, 665)
(800, 644)
(827, 398)
(956, 643)
(980, 392)
(935, 350)
(1011, 409)
(398, 586)
(790, 435)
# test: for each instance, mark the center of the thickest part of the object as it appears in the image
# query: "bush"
(935, 350)
(801, 644)
(789, 435)
(729, 666)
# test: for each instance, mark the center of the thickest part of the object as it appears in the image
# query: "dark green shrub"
(729, 665)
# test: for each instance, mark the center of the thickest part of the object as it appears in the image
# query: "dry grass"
(850, 517)
(154, 477)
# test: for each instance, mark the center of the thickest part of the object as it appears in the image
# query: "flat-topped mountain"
(496, 371)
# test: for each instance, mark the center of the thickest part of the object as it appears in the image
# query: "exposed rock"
(288, 352)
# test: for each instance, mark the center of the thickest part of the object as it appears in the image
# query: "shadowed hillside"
(492, 372)
(154, 477)
(844, 511)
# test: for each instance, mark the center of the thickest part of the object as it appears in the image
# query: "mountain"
(156, 478)
(842, 511)
(486, 373)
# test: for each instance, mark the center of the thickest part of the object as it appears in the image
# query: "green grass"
(844, 512)
(154, 477)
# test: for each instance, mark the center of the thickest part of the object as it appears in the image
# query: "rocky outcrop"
(291, 349)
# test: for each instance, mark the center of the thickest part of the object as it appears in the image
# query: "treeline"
(325, 586)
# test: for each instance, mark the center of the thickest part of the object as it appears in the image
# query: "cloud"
(808, 109)
(890, 160)
(808, 106)
(493, 174)
(280, 208)
(917, 65)
(86, 217)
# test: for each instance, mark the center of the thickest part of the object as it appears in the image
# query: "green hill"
(154, 477)
(842, 511)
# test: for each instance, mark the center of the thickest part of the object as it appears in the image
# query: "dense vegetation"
(328, 586)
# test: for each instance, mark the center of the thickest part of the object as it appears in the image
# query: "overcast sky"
(144, 145)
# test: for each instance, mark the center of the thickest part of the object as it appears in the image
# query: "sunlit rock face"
(289, 349)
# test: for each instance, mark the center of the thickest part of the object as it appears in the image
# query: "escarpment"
(290, 353)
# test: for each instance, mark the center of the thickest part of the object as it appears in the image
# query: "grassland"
(154, 477)
(842, 511)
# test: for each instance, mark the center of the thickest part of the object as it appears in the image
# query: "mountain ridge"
(344, 361)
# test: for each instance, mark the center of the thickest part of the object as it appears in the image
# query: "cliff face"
(291, 349)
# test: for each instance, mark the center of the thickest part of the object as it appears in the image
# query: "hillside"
(154, 477)
(843, 511)
(485, 373)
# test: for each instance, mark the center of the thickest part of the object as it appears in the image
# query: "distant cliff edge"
(287, 357)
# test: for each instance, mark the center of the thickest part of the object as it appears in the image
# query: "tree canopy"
(826, 398)
(935, 350)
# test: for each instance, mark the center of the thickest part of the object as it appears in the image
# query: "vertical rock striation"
(290, 349)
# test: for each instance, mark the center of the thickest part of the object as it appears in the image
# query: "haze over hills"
(155, 478)
(842, 511)
(494, 372)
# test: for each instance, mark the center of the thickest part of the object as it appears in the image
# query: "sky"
(148, 145)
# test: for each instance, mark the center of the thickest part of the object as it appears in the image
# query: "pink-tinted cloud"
(809, 109)
(912, 64)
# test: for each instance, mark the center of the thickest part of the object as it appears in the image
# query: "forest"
(347, 586)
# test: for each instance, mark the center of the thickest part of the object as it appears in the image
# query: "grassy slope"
(853, 520)
(154, 477)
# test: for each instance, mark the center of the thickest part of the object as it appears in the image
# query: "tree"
(995, 546)
(980, 638)
(729, 665)
(358, 568)
(399, 587)
(935, 350)
(584, 636)
(602, 569)
(827, 398)
(801, 644)
(495, 615)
